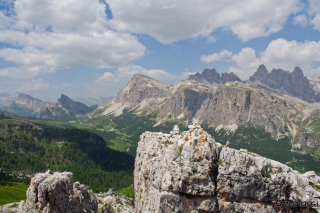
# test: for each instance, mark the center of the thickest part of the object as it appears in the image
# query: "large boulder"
(191, 172)
(58, 193)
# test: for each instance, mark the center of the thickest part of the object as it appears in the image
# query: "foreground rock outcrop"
(114, 202)
(58, 193)
(190, 172)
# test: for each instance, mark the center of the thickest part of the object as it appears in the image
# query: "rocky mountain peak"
(139, 80)
(281, 81)
(225, 77)
(298, 71)
(261, 71)
(212, 77)
(73, 107)
(141, 87)
(23, 96)
(28, 101)
(191, 172)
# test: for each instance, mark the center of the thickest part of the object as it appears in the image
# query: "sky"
(91, 48)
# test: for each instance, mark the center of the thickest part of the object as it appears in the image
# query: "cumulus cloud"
(106, 78)
(62, 85)
(160, 75)
(168, 22)
(63, 16)
(33, 85)
(314, 13)
(280, 53)
(61, 34)
(301, 20)
(121, 76)
(224, 54)
(246, 61)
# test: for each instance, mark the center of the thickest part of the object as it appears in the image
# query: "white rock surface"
(58, 193)
(190, 172)
(114, 202)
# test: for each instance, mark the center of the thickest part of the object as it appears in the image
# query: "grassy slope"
(10, 194)
(128, 191)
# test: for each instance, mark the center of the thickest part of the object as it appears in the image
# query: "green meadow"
(15, 193)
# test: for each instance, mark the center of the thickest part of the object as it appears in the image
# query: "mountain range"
(270, 110)
(64, 109)
(271, 107)
(4, 97)
(90, 101)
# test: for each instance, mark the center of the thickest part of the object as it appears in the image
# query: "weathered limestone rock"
(58, 193)
(190, 172)
(114, 202)
(9, 208)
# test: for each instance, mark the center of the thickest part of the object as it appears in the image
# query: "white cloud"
(300, 20)
(106, 78)
(246, 61)
(63, 16)
(65, 50)
(280, 53)
(33, 85)
(50, 35)
(224, 54)
(124, 73)
(186, 19)
(314, 13)
(62, 85)
(315, 71)
(160, 75)
(316, 22)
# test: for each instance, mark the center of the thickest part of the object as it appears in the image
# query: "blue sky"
(91, 48)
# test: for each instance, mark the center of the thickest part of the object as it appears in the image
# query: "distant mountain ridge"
(282, 105)
(64, 109)
(90, 101)
(4, 97)
(213, 78)
(284, 82)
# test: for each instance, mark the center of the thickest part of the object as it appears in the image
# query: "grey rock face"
(231, 104)
(114, 202)
(190, 172)
(58, 193)
(29, 102)
(281, 81)
(74, 107)
(141, 87)
(213, 77)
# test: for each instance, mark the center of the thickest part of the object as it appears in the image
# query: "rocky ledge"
(58, 193)
(190, 172)
(114, 202)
